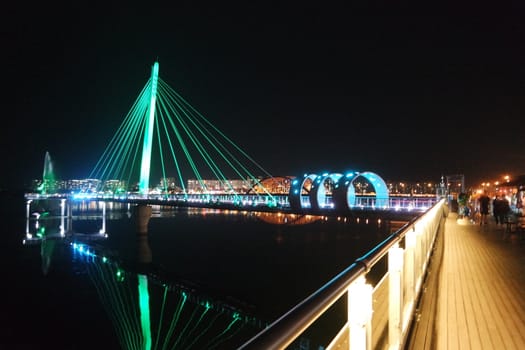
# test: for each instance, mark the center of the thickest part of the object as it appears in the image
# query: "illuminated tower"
(148, 134)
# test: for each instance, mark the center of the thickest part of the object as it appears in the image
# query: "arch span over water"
(299, 195)
(321, 186)
(311, 191)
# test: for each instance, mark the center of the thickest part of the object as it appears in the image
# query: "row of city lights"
(506, 179)
(493, 186)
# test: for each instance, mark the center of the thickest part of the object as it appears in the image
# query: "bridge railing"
(395, 202)
(378, 316)
(251, 200)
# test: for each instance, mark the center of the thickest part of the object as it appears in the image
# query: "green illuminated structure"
(164, 137)
(148, 136)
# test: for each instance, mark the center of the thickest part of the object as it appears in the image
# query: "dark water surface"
(213, 279)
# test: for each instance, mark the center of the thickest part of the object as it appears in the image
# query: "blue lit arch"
(298, 196)
(380, 188)
(344, 193)
(318, 198)
(309, 191)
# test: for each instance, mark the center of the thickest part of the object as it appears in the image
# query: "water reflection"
(287, 219)
(149, 312)
(148, 308)
(47, 229)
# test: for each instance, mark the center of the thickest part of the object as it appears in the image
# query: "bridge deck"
(477, 293)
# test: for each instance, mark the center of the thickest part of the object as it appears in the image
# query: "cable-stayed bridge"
(199, 166)
(163, 136)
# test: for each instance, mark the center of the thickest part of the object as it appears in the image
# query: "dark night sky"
(407, 92)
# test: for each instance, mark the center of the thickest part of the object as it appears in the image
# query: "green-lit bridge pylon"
(148, 136)
(178, 143)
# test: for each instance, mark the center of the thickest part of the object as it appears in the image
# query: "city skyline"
(215, 185)
(408, 93)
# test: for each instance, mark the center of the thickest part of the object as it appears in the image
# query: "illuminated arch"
(380, 188)
(310, 191)
(318, 198)
(344, 193)
(299, 191)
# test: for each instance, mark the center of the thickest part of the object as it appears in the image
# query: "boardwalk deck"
(477, 294)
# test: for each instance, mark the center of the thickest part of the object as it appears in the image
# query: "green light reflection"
(179, 318)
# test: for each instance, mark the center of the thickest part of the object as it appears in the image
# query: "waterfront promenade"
(475, 291)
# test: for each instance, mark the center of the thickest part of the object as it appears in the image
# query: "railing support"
(410, 277)
(28, 213)
(395, 268)
(28, 208)
(360, 315)
(103, 229)
(63, 204)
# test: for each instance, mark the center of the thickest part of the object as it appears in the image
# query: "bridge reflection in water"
(148, 308)
(151, 313)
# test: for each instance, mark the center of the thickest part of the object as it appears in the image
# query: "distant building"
(219, 186)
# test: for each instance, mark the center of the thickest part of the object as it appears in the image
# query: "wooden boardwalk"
(475, 293)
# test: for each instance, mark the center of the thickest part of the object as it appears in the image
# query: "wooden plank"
(480, 296)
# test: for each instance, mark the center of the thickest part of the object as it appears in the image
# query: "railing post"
(421, 251)
(62, 216)
(70, 210)
(28, 208)
(360, 314)
(410, 267)
(395, 267)
(103, 229)
(28, 213)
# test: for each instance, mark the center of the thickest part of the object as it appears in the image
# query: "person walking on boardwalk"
(496, 209)
(484, 202)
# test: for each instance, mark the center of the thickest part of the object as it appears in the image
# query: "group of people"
(500, 208)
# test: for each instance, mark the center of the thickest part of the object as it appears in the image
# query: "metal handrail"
(291, 325)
